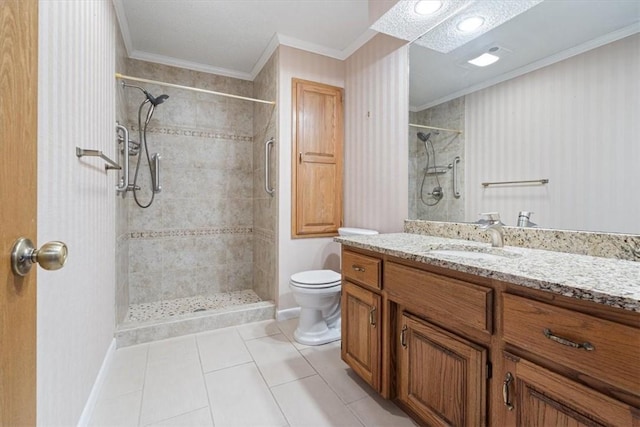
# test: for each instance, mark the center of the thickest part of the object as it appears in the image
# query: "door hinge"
(489, 370)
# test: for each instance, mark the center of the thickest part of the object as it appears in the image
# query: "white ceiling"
(233, 37)
(236, 37)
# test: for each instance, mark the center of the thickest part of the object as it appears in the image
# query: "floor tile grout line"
(178, 415)
(144, 383)
(206, 387)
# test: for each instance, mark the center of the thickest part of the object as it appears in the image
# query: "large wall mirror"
(552, 127)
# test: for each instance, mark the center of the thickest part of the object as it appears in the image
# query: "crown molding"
(549, 60)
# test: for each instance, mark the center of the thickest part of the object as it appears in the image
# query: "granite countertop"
(606, 281)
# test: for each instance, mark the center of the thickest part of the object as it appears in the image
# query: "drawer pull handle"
(587, 346)
(358, 268)
(403, 337)
(372, 317)
(508, 379)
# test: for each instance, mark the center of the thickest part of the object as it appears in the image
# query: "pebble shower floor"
(176, 307)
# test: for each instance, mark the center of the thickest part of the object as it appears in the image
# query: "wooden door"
(317, 159)
(539, 398)
(18, 132)
(361, 332)
(442, 376)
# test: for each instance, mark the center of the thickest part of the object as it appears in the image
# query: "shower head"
(156, 101)
(424, 137)
(150, 98)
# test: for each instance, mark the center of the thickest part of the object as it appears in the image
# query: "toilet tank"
(347, 231)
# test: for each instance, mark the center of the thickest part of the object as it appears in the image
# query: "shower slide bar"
(195, 89)
(81, 152)
(533, 181)
(435, 128)
(267, 160)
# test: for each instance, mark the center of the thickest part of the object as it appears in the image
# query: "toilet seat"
(315, 279)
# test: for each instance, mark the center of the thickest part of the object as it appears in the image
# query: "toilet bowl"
(317, 292)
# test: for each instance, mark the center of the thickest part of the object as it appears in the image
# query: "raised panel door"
(316, 159)
(442, 377)
(539, 397)
(361, 332)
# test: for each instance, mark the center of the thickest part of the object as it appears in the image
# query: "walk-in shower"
(201, 256)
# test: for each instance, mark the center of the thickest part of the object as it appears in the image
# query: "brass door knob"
(51, 256)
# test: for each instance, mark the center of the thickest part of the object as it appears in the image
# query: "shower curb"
(132, 333)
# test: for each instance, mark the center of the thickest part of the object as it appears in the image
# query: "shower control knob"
(51, 256)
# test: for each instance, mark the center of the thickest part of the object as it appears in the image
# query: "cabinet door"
(317, 159)
(534, 396)
(361, 332)
(442, 376)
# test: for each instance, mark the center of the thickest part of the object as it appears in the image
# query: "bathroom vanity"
(458, 333)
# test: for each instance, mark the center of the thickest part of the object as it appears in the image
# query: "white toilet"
(317, 292)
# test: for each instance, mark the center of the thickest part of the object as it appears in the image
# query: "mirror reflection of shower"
(436, 194)
(153, 162)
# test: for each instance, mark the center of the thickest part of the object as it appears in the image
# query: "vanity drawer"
(361, 269)
(613, 352)
(440, 298)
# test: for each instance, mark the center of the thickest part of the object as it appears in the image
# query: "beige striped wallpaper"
(376, 117)
(76, 202)
(574, 123)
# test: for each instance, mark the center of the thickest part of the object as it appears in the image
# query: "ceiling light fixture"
(484, 60)
(452, 31)
(427, 7)
(470, 24)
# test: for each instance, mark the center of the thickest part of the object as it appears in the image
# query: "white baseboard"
(87, 412)
(288, 313)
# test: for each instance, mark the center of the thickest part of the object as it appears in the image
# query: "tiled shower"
(203, 254)
(447, 145)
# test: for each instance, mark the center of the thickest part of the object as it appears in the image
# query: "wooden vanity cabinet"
(584, 367)
(361, 315)
(442, 377)
(361, 332)
(457, 349)
(537, 397)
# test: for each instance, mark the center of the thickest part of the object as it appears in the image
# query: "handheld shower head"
(156, 101)
(150, 98)
(424, 137)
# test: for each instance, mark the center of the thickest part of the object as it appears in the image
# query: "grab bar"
(81, 152)
(267, 161)
(456, 191)
(156, 173)
(124, 181)
(533, 181)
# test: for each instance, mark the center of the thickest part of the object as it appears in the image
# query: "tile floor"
(249, 375)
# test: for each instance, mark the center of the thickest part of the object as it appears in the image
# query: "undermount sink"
(477, 253)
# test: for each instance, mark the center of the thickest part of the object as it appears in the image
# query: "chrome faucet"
(524, 219)
(491, 222)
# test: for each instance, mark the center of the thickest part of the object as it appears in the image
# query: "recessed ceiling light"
(427, 7)
(484, 60)
(470, 24)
